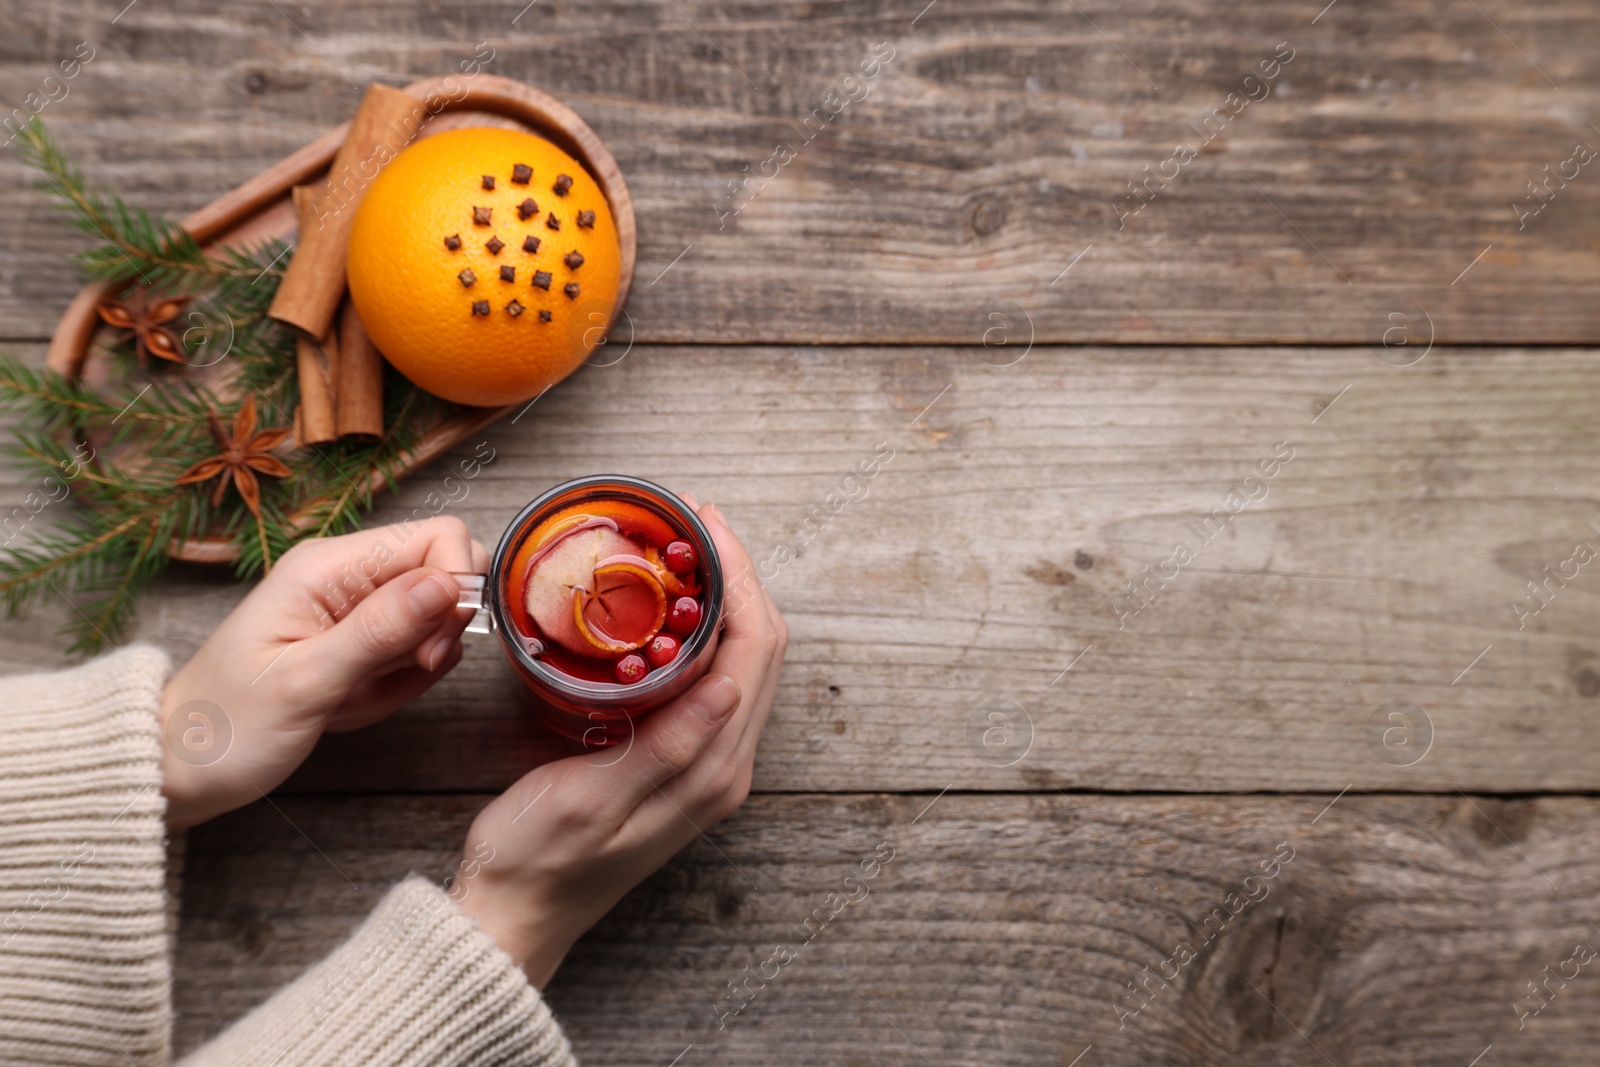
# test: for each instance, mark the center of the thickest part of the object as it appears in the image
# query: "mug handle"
(474, 595)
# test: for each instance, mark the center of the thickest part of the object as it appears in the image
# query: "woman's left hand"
(342, 632)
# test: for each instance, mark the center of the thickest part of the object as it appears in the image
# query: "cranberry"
(661, 650)
(680, 557)
(630, 669)
(684, 616)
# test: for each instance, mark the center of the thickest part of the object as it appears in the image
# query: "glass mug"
(591, 710)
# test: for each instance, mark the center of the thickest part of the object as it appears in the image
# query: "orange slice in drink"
(675, 585)
(625, 607)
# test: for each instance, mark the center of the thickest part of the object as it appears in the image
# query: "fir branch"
(108, 563)
(78, 469)
(106, 553)
(266, 551)
(358, 490)
(114, 600)
(137, 241)
(57, 403)
(258, 542)
(21, 575)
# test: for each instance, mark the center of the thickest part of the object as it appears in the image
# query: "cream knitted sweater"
(85, 970)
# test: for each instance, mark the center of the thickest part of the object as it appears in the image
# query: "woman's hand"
(547, 859)
(343, 631)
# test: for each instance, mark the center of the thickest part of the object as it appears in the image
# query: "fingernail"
(714, 698)
(689, 498)
(432, 597)
(434, 658)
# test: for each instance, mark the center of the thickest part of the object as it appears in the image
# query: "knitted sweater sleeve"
(85, 976)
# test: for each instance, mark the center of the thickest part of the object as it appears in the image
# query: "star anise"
(245, 452)
(148, 323)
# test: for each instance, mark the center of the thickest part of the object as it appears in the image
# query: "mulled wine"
(607, 596)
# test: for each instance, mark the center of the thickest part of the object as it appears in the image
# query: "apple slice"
(564, 573)
(624, 608)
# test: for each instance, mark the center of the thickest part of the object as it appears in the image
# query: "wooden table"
(1087, 300)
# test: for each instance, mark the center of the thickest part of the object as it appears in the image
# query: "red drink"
(607, 596)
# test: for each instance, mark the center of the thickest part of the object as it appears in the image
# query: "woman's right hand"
(547, 859)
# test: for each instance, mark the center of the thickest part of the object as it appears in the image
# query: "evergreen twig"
(137, 241)
(100, 557)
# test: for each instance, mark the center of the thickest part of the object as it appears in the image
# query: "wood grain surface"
(1372, 278)
(785, 195)
(1010, 508)
(1401, 930)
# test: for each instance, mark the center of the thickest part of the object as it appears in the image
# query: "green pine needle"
(138, 243)
(100, 557)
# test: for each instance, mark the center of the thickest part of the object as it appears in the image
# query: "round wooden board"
(261, 209)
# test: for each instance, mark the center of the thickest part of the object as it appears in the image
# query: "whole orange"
(485, 264)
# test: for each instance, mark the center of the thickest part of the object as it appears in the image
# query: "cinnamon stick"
(315, 360)
(359, 379)
(313, 283)
(316, 363)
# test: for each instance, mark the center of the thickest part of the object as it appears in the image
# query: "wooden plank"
(1376, 571)
(1387, 165)
(1401, 930)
